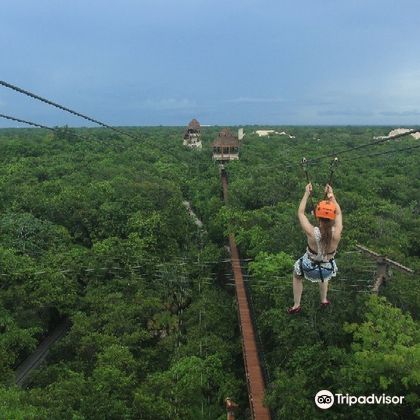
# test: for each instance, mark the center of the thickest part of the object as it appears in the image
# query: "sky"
(164, 62)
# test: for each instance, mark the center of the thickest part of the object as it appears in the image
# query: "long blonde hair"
(325, 227)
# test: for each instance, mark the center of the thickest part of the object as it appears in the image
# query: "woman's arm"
(304, 222)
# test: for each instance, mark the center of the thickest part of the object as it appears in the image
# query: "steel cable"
(8, 117)
(78, 114)
(361, 146)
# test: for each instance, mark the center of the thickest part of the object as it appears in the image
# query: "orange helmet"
(325, 210)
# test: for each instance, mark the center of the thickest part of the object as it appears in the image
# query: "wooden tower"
(225, 147)
(192, 136)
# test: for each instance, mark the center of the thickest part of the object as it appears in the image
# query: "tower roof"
(194, 124)
(225, 138)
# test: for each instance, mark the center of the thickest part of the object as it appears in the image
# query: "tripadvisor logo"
(325, 399)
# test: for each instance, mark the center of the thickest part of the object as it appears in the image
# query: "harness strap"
(320, 272)
(315, 253)
(317, 265)
(311, 250)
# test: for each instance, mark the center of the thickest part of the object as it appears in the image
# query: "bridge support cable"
(252, 363)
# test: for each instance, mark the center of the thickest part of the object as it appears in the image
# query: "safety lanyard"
(305, 168)
(333, 165)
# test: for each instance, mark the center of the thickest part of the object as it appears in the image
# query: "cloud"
(251, 100)
(406, 83)
(167, 104)
(400, 113)
(347, 113)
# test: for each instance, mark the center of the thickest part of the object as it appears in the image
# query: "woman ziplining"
(318, 264)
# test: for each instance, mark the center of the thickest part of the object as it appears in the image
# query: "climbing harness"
(317, 265)
(308, 265)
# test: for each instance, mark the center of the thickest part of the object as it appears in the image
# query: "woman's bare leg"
(297, 290)
(323, 289)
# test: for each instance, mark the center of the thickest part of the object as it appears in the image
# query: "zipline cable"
(361, 146)
(54, 129)
(78, 114)
(383, 153)
(289, 165)
(8, 117)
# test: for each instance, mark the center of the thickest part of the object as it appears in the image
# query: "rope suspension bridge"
(252, 363)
